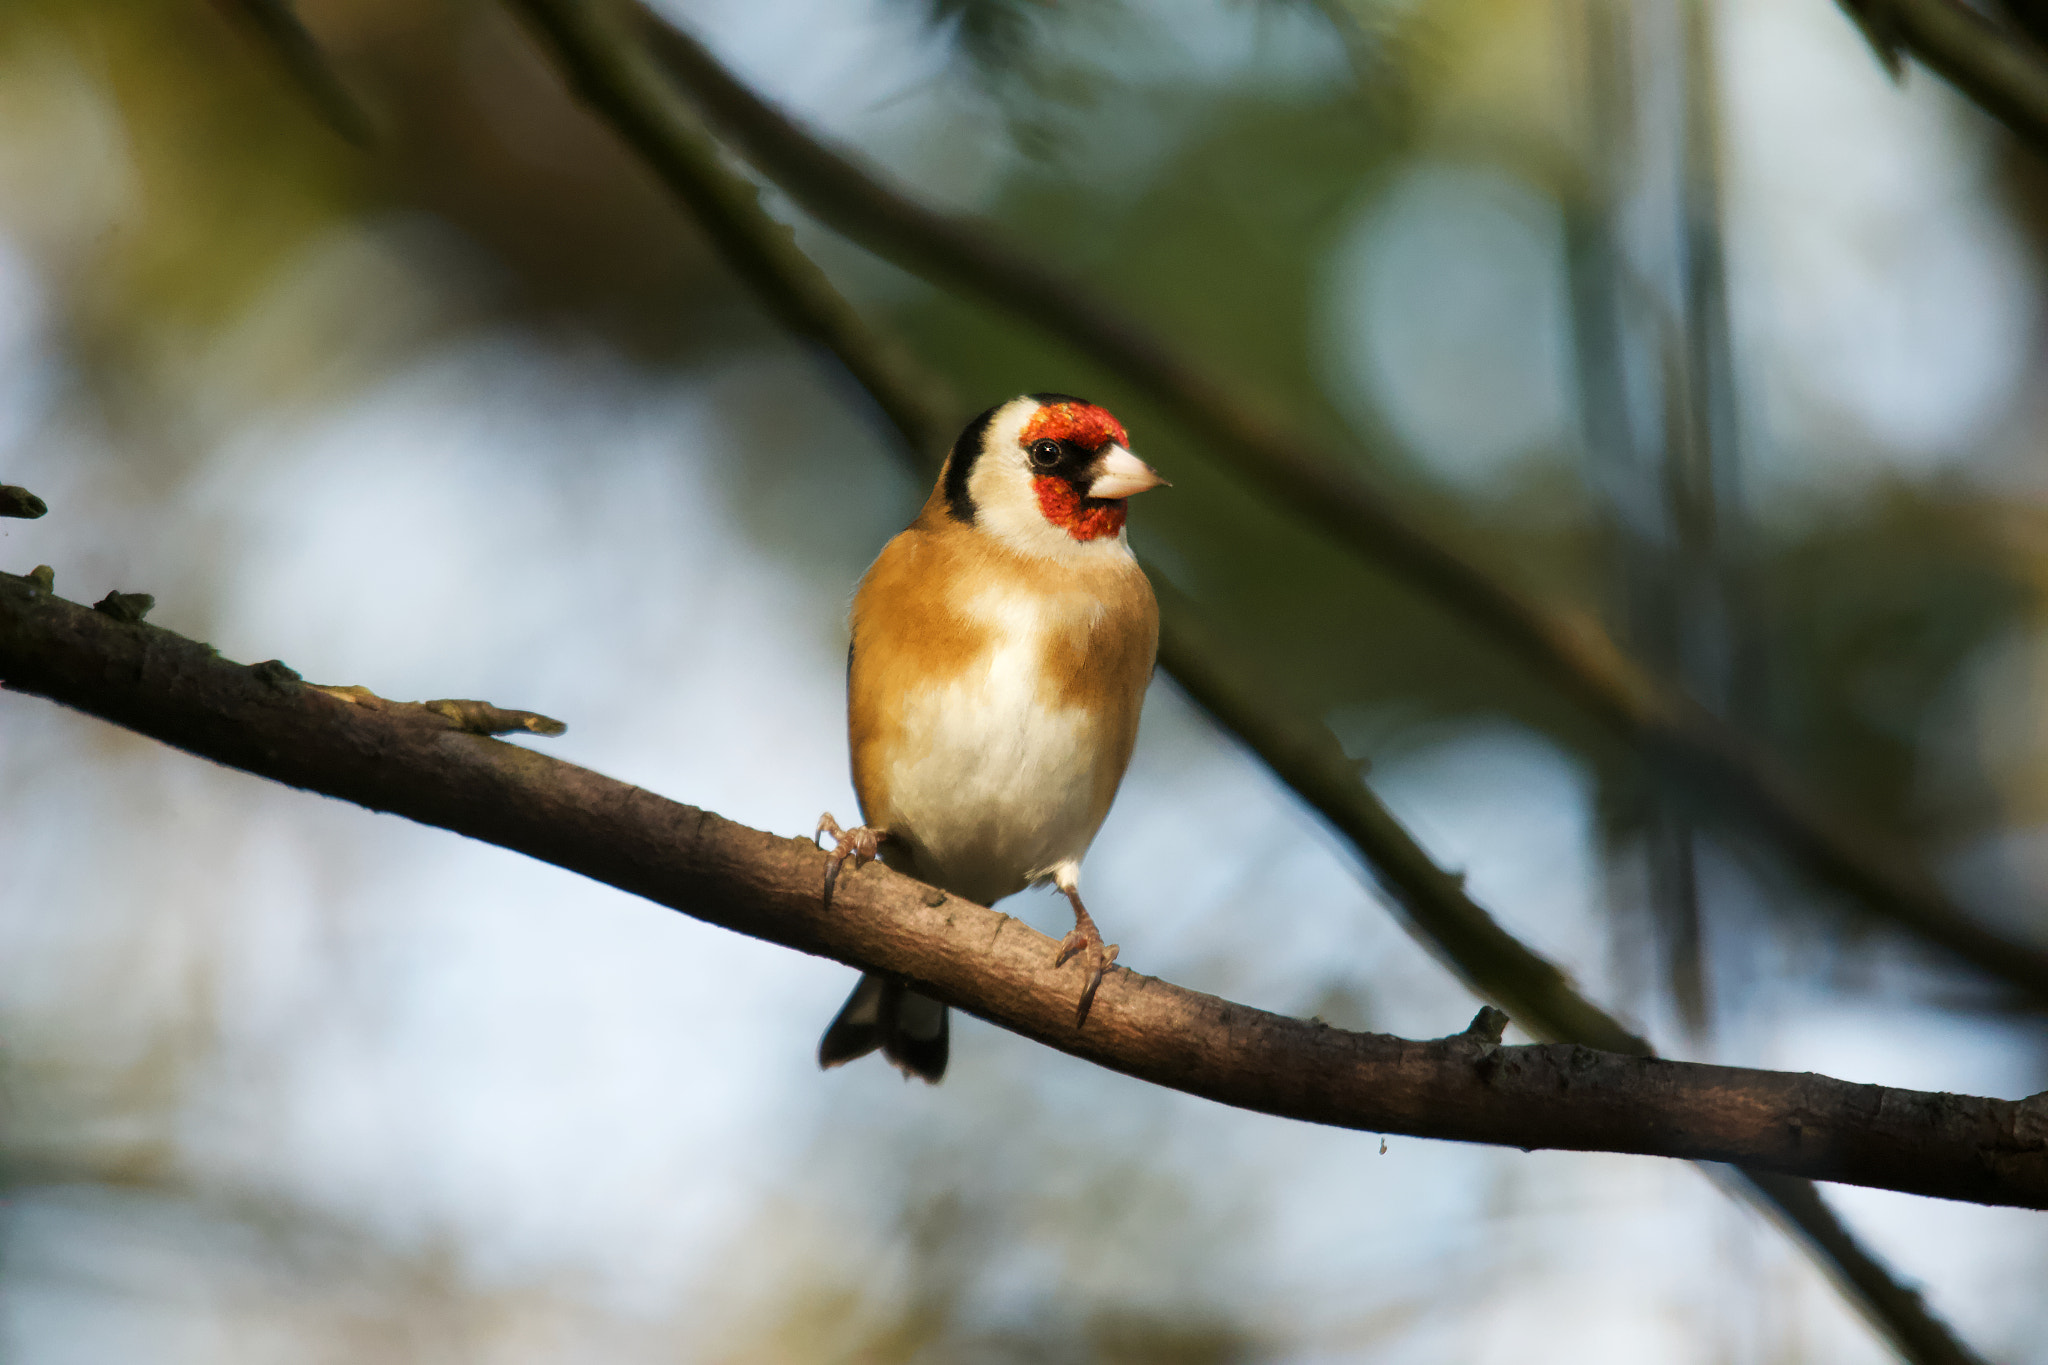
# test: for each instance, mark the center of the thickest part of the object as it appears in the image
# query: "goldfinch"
(1001, 648)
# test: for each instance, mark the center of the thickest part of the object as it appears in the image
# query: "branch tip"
(1878, 22)
(1488, 1026)
(482, 718)
(19, 502)
(354, 694)
(461, 713)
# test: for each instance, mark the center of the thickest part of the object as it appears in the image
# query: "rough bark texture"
(419, 762)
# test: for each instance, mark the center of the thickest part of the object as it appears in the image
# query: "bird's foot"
(1096, 957)
(862, 844)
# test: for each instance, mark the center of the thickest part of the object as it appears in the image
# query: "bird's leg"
(1085, 942)
(862, 844)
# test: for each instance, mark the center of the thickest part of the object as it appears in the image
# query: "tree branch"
(417, 762)
(1682, 740)
(2001, 71)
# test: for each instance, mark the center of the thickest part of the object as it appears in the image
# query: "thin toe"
(1100, 964)
(1087, 998)
(1096, 958)
(862, 844)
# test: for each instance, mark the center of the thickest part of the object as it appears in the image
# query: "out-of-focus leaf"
(1869, 615)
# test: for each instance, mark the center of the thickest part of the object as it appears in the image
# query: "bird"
(1001, 649)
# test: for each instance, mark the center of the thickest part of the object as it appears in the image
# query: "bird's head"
(1047, 474)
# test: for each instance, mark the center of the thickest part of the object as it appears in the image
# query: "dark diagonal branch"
(1450, 923)
(637, 103)
(1301, 754)
(416, 762)
(277, 28)
(1684, 742)
(2002, 71)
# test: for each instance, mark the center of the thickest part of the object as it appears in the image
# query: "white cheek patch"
(1006, 502)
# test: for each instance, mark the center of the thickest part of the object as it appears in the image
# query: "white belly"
(992, 787)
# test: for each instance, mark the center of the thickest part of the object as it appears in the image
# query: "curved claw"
(1085, 938)
(1099, 958)
(1094, 981)
(861, 843)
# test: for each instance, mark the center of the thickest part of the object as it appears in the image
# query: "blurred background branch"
(274, 26)
(2004, 71)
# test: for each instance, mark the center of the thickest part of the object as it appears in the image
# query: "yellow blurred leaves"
(157, 157)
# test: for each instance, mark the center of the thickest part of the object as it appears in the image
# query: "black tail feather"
(910, 1029)
(918, 1038)
(857, 1029)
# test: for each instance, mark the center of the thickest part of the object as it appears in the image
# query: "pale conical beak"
(1118, 474)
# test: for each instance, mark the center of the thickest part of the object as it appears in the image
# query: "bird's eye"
(1045, 454)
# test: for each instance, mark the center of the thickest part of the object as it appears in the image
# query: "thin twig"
(16, 501)
(415, 762)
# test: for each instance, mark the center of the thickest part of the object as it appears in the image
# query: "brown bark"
(423, 763)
